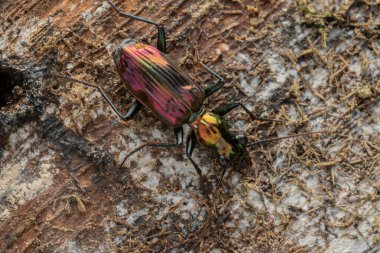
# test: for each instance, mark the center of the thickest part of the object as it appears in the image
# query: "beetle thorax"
(209, 128)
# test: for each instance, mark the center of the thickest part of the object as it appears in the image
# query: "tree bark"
(312, 64)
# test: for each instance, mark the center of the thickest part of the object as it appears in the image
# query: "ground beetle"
(159, 84)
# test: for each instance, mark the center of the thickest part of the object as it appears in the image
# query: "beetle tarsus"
(213, 87)
(222, 175)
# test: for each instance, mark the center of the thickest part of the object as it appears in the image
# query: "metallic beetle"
(157, 83)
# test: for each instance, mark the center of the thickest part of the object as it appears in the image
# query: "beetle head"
(117, 53)
(241, 159)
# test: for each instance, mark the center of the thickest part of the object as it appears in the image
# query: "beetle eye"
(242, 139)
(223, 161)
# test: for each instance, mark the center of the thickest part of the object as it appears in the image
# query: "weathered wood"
(315, 65)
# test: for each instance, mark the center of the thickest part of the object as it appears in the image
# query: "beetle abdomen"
(158, 83)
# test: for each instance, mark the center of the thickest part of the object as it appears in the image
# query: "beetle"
(157, 83)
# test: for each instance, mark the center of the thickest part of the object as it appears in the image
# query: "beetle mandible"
(157, 83)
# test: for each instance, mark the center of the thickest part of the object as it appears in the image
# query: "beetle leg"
(223, 173)
(179, 141)
(223, 110)
(132, 110)
(190, 145)
(161, 40)
(213, 87)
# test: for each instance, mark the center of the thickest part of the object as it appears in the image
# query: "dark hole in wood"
(9, 78)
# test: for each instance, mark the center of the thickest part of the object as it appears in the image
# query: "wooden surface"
(313, 64)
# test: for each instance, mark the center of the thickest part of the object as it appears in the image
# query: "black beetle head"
(243, 163)
(241, 159)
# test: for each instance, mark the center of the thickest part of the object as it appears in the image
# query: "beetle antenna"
(285, 137)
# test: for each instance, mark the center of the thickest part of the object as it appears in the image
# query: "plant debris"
(315, 65)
